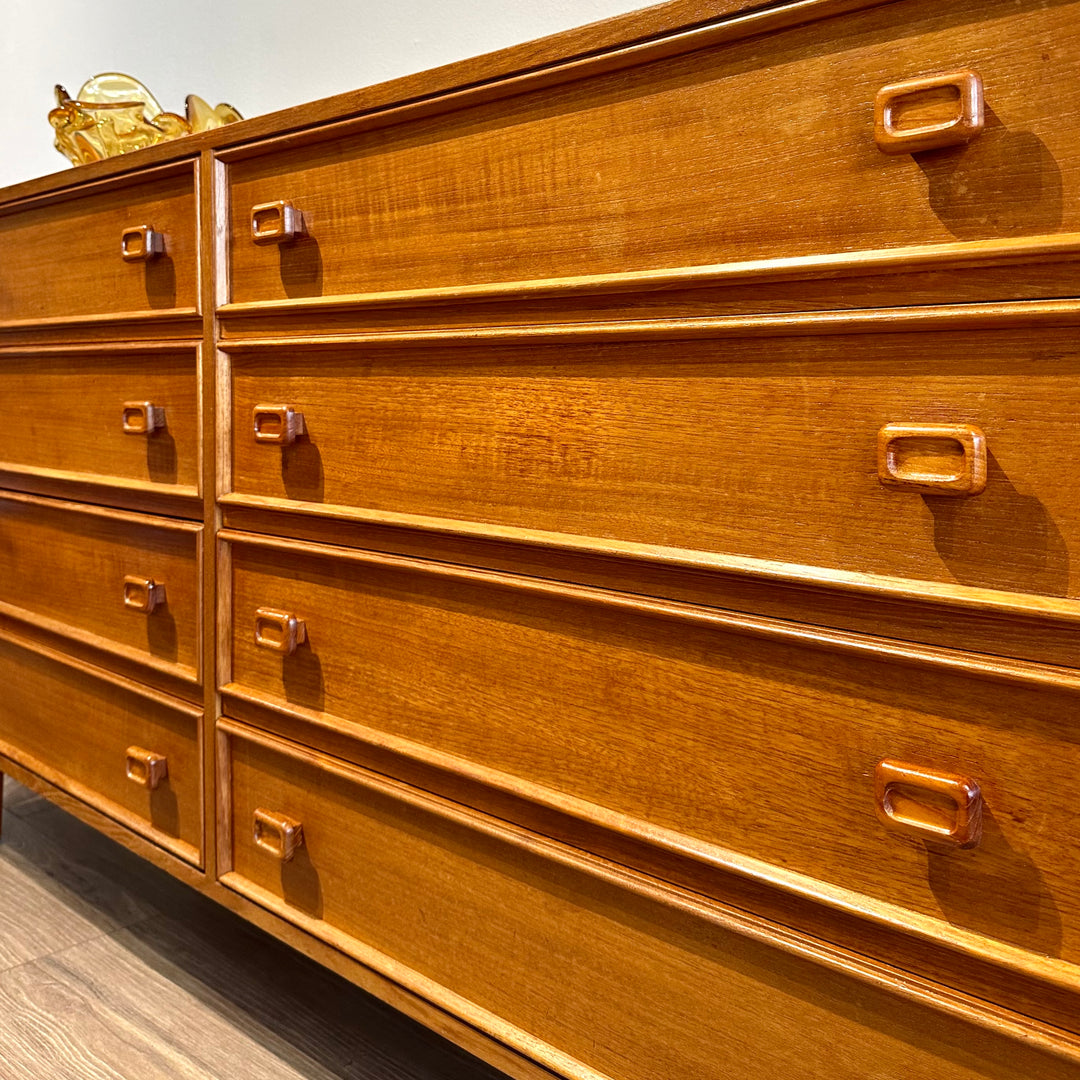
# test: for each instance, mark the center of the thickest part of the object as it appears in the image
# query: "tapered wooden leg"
(1, 803)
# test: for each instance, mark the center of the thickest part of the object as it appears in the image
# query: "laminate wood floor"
(112, 970)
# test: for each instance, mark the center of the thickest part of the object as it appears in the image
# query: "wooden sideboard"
(579, 541)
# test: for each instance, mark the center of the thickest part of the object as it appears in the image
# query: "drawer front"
(560, 960)
(767, 448)
(80, 416)
(763, 743)
(133, 755)
(126, 583)
(676, 162)
(62, 259)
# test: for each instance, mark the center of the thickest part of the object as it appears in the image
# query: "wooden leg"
(1, 803)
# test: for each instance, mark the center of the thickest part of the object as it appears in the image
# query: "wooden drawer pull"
(278, 424)
(279, 631)
(142, 418)
(928, 805)
(146, 768)
(277, 834)
(935, 459)
(141, 243)
(964, 91)
(276, 223)
(143, 594)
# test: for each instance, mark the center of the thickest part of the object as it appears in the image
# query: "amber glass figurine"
(115, 114)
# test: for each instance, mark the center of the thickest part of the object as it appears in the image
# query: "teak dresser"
(580, 541)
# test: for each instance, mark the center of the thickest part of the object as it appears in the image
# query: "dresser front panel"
(590, 971)
(62, 256)
(759, 446)
(64, 417)
(752, 149)
(77, 729)
(763, 743)
(63, 568)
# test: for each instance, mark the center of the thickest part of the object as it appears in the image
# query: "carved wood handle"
(279, 631)
(928, 804)
(142, 418)
(277, 834)
(145, 768)
(935, 459)
(143, 594)
(278, 424)
(141, 244)
(276, 222)
(893, 138)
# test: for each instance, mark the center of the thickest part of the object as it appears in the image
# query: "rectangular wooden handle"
(142, 418)
(928, 804)
(961, 90)
(141, 243)
(280, 425)
(143, 594)
(934, 459)
(277, 834)
(145, 768)
(276, 222)
(279, 631)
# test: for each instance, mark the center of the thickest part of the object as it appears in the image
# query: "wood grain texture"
(74, 727)
(673, 725)
(63, 415)
(430, 880)
(699, 445)
(63, 259)
(63, 568)
(674, 163)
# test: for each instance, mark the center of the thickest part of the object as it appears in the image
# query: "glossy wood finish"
(63, 257)
(77, 728)
(443, 897)
(671, 718)
(695, 444)
(664, 166)
(69, 416)
(701, 484)
(91, 574)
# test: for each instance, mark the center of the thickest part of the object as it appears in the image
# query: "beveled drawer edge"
(129, 177)
(148, 487)
(183, 672)
(103, 674)
(813, 636)
(876, 262)
(189, 314)
(1053, 1040)
(1007, 314)
(867, 909)
(180, 848)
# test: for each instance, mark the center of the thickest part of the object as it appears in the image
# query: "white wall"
(259, 55)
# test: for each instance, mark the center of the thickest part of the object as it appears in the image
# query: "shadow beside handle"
(893, 138)
(276, 834)
(145, 768)
(927, 804)
(934, 459)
